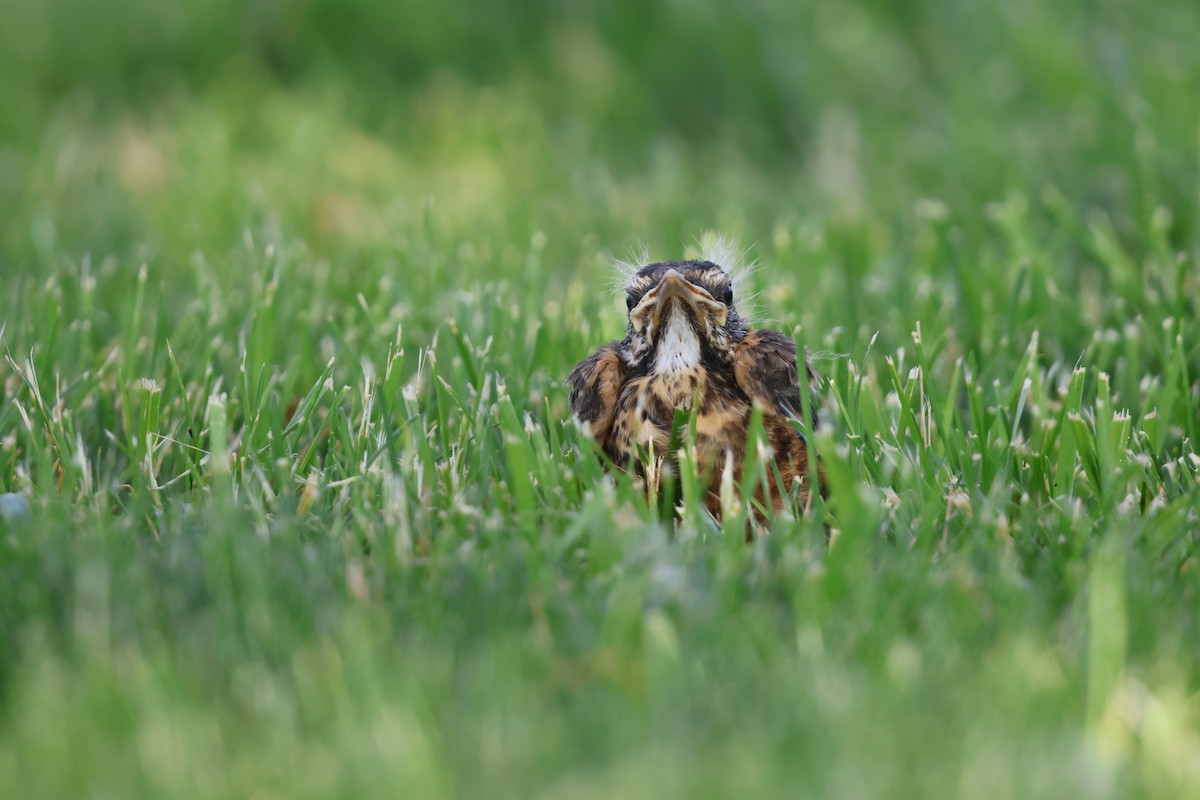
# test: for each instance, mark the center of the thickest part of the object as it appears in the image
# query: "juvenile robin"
(686, 348)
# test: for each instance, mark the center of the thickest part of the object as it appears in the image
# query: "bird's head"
(681, 314)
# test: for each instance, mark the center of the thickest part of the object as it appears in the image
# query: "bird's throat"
(678, 346)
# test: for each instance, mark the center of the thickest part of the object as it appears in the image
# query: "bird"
(686, 348)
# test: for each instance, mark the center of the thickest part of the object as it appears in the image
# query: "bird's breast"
(647, 405)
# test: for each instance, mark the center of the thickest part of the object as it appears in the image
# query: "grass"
(286, 317)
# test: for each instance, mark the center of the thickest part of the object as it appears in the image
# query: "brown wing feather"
(595, 384)
(764, 364)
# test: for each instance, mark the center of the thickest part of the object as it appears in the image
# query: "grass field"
(288, 293)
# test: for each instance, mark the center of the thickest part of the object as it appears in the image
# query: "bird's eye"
(728, 295)
(629, 302)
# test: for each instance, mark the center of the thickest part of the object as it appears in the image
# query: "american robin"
(686, 348)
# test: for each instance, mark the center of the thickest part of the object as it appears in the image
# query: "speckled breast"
(646, 411)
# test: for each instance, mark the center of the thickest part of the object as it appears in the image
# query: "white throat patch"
(678, 347)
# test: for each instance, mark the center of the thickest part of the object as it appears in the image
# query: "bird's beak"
(673, 286)
(675, 294)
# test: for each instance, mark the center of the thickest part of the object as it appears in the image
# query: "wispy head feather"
(724, 251)
(625, 268)
(728, 253)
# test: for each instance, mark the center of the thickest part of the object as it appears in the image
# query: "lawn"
(293, 503)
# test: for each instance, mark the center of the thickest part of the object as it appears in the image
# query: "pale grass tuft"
(891, 500)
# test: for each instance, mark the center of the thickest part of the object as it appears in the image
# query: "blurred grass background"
(422, 583)
(148, 134)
